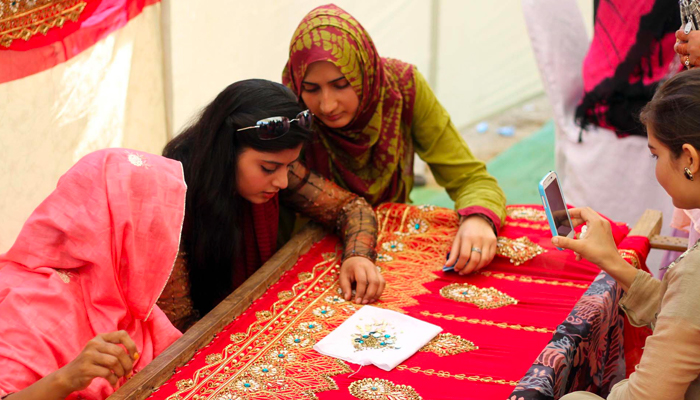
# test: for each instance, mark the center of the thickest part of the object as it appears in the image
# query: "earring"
(688, 174)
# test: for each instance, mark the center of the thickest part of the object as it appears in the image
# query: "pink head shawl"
(92, 258)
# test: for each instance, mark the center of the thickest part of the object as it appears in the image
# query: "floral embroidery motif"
(282, 356)
(263, 315)
(213, 358)
(324, 312)
(266, 372)
(334, 300)
(417, 225)
(64, 275)
(311, 327)
(297, 340)
(484, 298)
(382, 389)
(238, 337)
(247, 385)
(527, 213)
(426, 207)
(184, 384)
(393, 246)
(518, 250)
(285, 295)
(447, 344)
(384, 258)
(137, 159)
(377, 335)
(304, 276)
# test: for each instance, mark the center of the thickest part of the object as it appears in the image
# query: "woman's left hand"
(369, 282)
(474, 246)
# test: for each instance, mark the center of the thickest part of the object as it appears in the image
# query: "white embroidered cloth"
(377, 336)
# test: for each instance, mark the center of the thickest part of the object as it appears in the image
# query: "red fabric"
(546, 288)
(112, 228)
(262, 219)
(371, 156)
(41, 52)
(635, 337)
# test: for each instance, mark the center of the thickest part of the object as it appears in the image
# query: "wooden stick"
(162, 368)
(649, 224)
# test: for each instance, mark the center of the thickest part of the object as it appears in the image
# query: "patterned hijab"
(372, 156)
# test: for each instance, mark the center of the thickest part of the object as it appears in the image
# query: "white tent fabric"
(110, 95)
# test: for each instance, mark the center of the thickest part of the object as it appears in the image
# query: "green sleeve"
(438, 143)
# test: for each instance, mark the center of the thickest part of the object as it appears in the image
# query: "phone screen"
(558, 208)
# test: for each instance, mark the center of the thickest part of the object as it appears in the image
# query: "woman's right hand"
(101, 358)
(688, 47)
(597, 245)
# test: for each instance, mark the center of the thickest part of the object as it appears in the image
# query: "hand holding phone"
(555, 207)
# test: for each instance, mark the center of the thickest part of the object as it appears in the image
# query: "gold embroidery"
(527, 225)
(384, 258)
(64, 275)
(382, 389)
(324, 312)
(461, 377)
(518, 250)
(529, 279)
(416, 226)
(263, 315)
(304, 276)
(447, 344)
(631, 257)
(24, 19)
(238, 337)
(213, 358)
(285, 295)
(527, 213)
(374, 336)
(502, 325)
(427, 207)
(484, 298)
(184, 384)
(393, 246)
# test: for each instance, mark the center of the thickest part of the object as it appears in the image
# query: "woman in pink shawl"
(78, 289)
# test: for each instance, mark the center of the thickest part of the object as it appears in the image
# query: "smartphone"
(555, 206)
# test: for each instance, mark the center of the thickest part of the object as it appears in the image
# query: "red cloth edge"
(39, 53)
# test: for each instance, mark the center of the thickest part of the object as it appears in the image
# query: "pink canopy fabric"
(92, 258)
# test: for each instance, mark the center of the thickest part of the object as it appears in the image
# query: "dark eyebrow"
(333, 81)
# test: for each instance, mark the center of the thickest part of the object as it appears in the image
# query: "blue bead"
(374, 389)
(280, 355)
(246, 385)
(297, 340)
(383, 344)
(311, 326)
(265, 370)
(417, 226)
(324, 311)
(387, 336)
(365, 336)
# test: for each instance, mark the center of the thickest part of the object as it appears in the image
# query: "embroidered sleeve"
(327, 203)
(175, 301)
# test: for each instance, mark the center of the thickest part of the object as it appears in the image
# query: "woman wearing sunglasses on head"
(240, 161)
(373, 114)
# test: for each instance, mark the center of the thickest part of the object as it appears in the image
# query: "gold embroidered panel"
(22, 19)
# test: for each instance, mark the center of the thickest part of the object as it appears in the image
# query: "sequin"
(393, 246)
(384, 258)
(323, 312)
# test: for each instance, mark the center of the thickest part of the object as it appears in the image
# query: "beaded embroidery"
(518, 250)
(484, 298)
(527, 213)
(447, 344)
(377, 335)
(393, 246)
(382, 389)
(416, 226)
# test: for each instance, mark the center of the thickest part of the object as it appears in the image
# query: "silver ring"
(687, 61)
(476, 250)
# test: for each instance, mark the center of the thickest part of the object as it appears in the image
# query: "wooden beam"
(669, 243)
(649, 224)
(162, 368)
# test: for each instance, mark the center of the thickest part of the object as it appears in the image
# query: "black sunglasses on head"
(276, 127)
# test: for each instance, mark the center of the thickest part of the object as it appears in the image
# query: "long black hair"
(209, 150)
